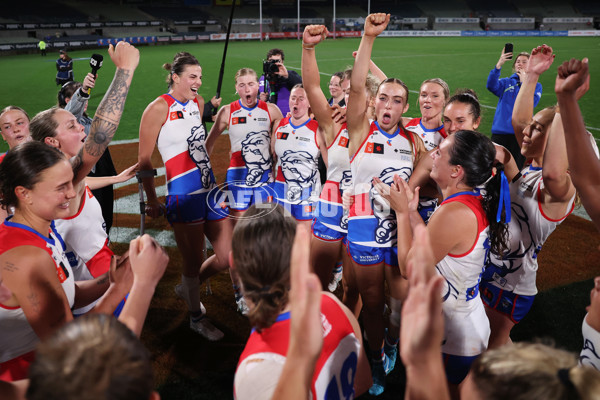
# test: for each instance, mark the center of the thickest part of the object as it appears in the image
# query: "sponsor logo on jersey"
(262, 119)
(303, 139)
(374, 148)
(175, 115)
(238, 120)
(344, 142)
(282, 135)
(62, 272)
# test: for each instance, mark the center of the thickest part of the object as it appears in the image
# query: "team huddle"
(406, 202)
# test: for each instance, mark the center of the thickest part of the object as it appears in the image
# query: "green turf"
(462, 62)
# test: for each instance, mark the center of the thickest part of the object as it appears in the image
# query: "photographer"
(279, 81)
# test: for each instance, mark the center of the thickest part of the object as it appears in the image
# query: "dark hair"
(339, 74)
(43, 125)
(476, 153)
(180, 61)
(22, 166)
(14, 108)
(66, 91)
(276, 52)
(262, 242)
(467, 96)
(94, 357)
(398, 82)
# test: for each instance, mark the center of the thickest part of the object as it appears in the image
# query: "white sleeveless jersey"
(431, 137)
(466, 326)
(338, 160)
(181, 146)
(17, 335)
(297, 150)
(250, 136)
(86, 240)
(371, 221)
(528, 230)
(263, 357)
(590, 353)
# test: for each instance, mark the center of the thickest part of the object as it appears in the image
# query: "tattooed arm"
(108, 114)
(30, 274)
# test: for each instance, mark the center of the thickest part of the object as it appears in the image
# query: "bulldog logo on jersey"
(257, 156)
(496, 268)
(199, 155)
(386, 228)
(297, 168)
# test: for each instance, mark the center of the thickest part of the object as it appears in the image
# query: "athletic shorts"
(330, 223)
(512, 305)
(195, 208)
(363, 255)
(301, 212)
(241, 197)
(457, 367)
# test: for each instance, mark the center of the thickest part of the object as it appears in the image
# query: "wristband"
(306, 46)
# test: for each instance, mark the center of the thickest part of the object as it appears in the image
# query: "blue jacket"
(507, 90)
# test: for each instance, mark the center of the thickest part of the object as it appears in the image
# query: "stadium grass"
(29, 80)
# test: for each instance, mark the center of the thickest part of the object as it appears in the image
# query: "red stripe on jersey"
(474, 203)
(100, 263)
(178, 165)
(236, 160)
(361, 205)
(280, 177)
(331, 192)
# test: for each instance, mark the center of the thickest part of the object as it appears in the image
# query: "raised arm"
(313, 35)
(221, 123)
(494, 83)
(107, 117)
(148, 263)
(356, 117)
(374, 69)
(97, 182)
(76, 105)
(541, 59)
(573, 76)
(557, 180)
(422, 329)
(152, 119)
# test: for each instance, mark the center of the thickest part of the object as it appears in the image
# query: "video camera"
(270, 69)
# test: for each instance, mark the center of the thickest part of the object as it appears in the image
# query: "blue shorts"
(363, 255)
(301, 212)
(240, 198)
(324, 232)
(190, 208)
(512, 305)
(297, 202)
(457, 367)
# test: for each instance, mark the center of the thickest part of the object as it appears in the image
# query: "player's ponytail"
(261, 245)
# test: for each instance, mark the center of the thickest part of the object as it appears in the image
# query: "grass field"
(463, 62)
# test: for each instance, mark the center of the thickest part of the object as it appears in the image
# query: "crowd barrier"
(191, 37)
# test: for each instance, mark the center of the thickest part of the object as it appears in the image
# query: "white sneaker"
(204, 327)
(180, 292)
(242, 307)
(337, 277)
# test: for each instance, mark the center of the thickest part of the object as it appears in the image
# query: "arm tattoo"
(77, 162)
(108, 114)
(10, 267)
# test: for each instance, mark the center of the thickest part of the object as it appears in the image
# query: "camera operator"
(279, 81)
